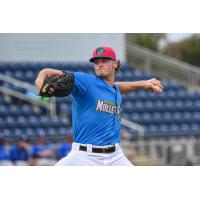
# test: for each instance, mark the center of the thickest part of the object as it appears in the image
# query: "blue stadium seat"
(182, 94)
(18, 75)
(33, 121)
(173, 128)
(153, 129)
(17, 132)
(138, 106)
(8, 73)
(30, 132)
(14, 110)
(40, 131)
(196, 117)
(197, 104)
(128, 107)
(187, 117)
(152, 96)
(64, 107)
(52, 132)
(177, 117)
(56, 122)
(131, 96)
(141, 95)
(10, 122)
(163, 96)
(195, 128)
(163, 129)
(128, 76)
(185, 128)
(171, 94)
(43, 121)
(2, 122)
(159, 105)
(156, 116)
(189, 105)
(8, 133)
(167, 117)
(26, 109)
(62, 131)
(138, 75)
(119, 76)
(21, 121)
(149, 105)
(179, 105)
(169, 105)
(135, 117)
(3, 110)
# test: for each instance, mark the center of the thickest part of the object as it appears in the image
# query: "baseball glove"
(57, 86)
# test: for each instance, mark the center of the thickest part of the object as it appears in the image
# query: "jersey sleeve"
(81, 83)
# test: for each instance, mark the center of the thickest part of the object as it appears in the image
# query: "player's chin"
(100, 73)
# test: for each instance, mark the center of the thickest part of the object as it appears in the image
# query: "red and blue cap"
(103, 52)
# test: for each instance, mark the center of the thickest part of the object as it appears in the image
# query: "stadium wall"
(57, 47)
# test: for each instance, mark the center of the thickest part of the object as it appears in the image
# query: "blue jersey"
(16, 153)
(38, 149)
(4, 154)
(96, 111)
(63, 149)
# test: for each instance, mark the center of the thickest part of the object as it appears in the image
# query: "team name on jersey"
(108, 107)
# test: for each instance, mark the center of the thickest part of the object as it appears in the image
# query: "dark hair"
(118, 67)
(24, 138)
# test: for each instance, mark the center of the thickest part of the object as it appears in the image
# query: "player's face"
(23, 144)
(104, 67)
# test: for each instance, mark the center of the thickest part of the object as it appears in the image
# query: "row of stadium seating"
(127, 106)
(160, 105)
(175, 111)
(18, 110)
(14, 66)
(12, 133)
(163, 117)
(29, 75)
(170, 94)
(30, 121)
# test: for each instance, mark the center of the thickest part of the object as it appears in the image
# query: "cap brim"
(94, 58)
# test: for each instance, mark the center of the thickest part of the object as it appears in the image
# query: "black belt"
(99, 150)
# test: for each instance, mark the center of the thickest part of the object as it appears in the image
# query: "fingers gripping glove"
(57, 86)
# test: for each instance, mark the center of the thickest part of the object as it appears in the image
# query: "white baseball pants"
(88, 158)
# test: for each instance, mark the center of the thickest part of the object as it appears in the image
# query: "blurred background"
(158, 129)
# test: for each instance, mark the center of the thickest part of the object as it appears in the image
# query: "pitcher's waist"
(95, 149)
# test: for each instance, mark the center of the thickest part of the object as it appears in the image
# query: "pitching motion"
(96, 108)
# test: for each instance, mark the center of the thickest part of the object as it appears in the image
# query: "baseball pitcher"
(96, 108)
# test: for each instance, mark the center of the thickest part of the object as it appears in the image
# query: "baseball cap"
(103, 52)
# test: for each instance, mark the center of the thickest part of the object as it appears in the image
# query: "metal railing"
(164, 66)
(167, 151)
(29, 88)
(133, 126)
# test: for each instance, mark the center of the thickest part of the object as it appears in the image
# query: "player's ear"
(117, 66)
(115, 63)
